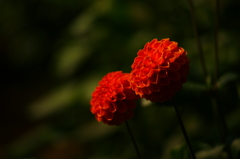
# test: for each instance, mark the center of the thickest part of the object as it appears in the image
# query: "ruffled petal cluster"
(159, 70)
(113, 100)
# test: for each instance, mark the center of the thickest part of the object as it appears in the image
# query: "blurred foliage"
(54, 52)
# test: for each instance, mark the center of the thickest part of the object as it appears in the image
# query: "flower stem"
(216, 51)
(183, 130)
(217, 109)
(133, 140)
(199, 44)
(220, 119)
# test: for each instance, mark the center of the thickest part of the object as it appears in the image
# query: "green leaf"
(212, 153)
(180, 152)
(235, 148)
(226, 78)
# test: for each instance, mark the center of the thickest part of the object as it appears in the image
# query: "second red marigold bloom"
(113, 100)
(159, 70)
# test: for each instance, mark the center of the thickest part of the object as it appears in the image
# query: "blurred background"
(54, 52)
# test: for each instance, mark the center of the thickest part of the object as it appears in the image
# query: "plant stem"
(183, 130)
(199, 44)
(220, 119)
(133, 140)
(216, 51)
(219, 115)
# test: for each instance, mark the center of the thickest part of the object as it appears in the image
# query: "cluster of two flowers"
(158, 72)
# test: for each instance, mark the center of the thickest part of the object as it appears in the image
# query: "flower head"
(159, 70)
(113, 100)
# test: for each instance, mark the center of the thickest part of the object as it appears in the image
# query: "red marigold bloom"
(113, 100)
(159, 70)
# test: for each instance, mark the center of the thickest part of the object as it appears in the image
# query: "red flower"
(113, 100)
(159, 70)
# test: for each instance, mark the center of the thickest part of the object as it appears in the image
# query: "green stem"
(184, 130)
(219, 115)
(199, 44)
(220, 119)
(216, 51)
(133, 140)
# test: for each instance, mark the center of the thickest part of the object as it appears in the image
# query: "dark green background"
(53, 53)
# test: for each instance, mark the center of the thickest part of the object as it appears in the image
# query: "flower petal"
(120, 96)
(109, 97)
(163, 81)
(163, 73)
(119, 117)
(121, 106)
(109, 116)
(154, 78)
(99, 118)
(180, 60)
(160, 71)
(174, 75)
(129, 94)
(100, 113)
(112, 108)
(154, 87)
(146, 90)
(174, 66)
(94, 109)
(130, 104)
